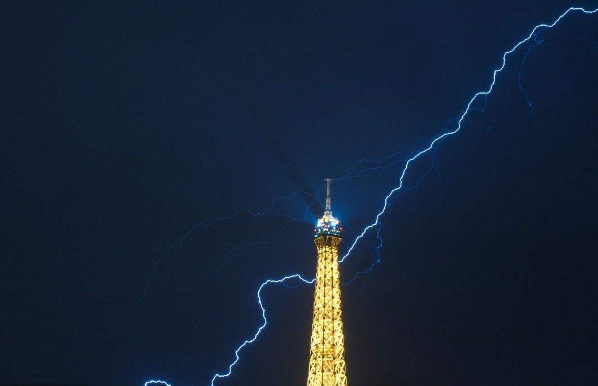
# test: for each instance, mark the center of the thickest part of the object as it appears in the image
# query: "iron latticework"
(327, 354)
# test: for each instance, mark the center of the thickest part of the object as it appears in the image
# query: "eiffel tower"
(327, 354)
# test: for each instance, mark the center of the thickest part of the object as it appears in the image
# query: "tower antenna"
(328, 195)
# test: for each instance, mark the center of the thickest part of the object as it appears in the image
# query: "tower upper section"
(328, 224)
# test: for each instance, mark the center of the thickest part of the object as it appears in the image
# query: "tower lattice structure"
(327, 354)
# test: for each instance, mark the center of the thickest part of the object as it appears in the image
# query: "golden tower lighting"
(327, 353)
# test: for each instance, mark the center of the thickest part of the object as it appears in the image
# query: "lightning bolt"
(376, 223)
(537, 42)
(210, 224)
(156, 382)
(264, 324)
(444, 135)
(379, 164)
(370, 270)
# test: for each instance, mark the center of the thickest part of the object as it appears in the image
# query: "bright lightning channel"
(259, 330)
(461, 118)
(156, 382)
(376, 221)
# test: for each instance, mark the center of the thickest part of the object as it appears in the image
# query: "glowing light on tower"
(327, 352)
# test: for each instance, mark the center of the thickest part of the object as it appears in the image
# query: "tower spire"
(328, 224)
(328, 195)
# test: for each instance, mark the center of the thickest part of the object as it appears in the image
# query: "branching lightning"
(537, 43)
(444, 135)
(376, 223)
(265, 321)
(380, 164)
(202, 224)
(376, 259)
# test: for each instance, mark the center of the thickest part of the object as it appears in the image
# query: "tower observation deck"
(327, 353)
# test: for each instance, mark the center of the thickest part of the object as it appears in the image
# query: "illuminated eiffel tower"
(327, 353)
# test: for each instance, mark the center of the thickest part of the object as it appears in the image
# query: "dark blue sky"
(124, 125)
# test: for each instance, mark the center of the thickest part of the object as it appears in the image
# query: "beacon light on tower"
(328, 224)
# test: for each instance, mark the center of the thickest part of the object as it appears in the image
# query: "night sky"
(125, 125)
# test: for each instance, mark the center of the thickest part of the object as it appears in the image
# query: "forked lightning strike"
(376, 221)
